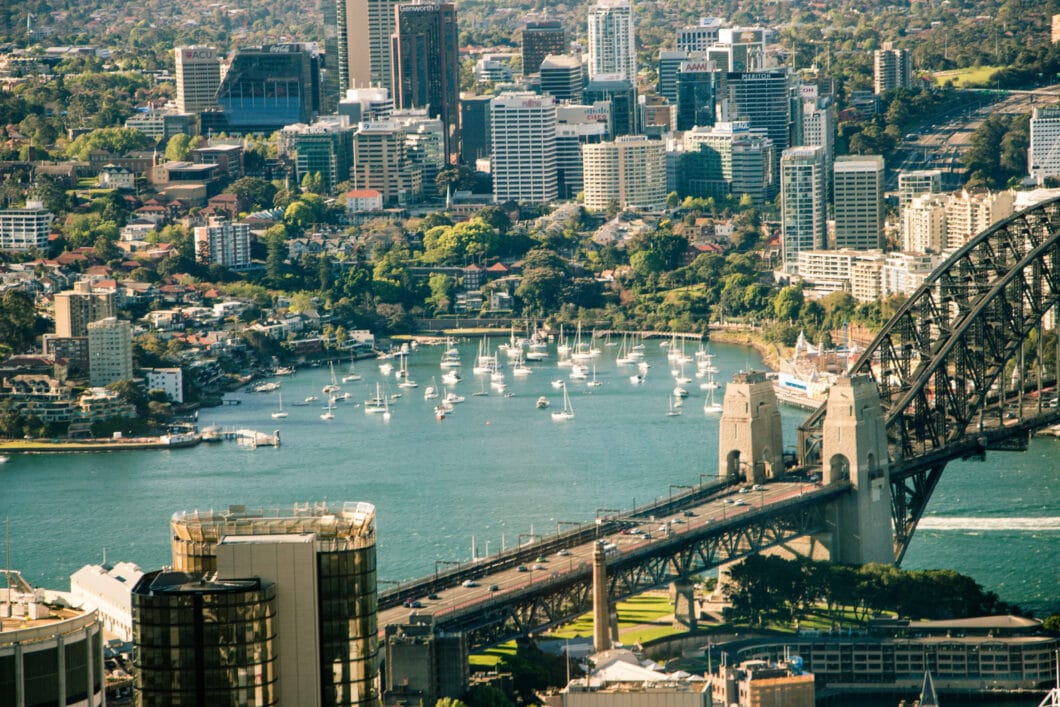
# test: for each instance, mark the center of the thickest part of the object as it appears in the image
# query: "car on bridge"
(522, 568)
(469, 583)
(494, 588)
(563, 553)
(413, 604)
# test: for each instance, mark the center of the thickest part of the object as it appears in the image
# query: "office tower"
(669, 64)
(727, 160)
(331, 82)
(109, 351)
(77, 308)
(474, 129)
(25, 228)
(425, 141)
(892, 68)
(575, 126)
(657, 117)
(695, 94)
(913, 183)
(629, 172)
(622, 97)
(324, 148)
(612, 49)
(744, 48)
(803, 209)
(364, 30)
(361, 104)
(223, 243)
(381, 161)
(266, 88)
(561, 77)
(198, 78)
(425, 64)
(858, 202)
(310, 576)
(541, 39)
(758, 97)
(699, 38)
(524, 148)
(818, 125)
(1044, 151)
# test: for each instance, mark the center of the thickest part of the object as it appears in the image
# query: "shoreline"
(771, 353)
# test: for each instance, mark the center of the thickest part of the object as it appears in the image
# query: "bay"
(498, 470)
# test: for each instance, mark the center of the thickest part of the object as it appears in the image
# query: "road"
(578, 558)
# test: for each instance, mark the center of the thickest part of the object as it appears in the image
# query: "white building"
(168, 380)
(902, 273)
(827, 271)
(109, 351)
(892, 68)
(803, 208)
(1044, 151)
(858, 201)
(224, 243)
(115, 177)
(629, 172)
(916, 182)
(924, 224)
(110, 590)
(198, 78)
(364, 200)
(699, 38)
(969, 213)
(612, 47)
(818, 126)
(524, 148)
(25, 228)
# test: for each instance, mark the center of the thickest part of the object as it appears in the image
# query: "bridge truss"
(561, 597)
(959, 368)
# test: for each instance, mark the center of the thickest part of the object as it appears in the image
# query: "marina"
(493, 467)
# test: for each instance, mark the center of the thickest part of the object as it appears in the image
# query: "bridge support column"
(683, 595)
(750, 441)
(854, 447)
(601, 606)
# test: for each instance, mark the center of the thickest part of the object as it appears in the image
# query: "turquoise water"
(497, 470)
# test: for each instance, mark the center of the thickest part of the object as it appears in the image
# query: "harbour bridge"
(963, 368)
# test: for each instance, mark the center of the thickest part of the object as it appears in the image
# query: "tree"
(788, 303)
(132, 394)
(449, 702)
(179, 147)
(18, 320)
(253, 192)
(441, 286)
(117, 141)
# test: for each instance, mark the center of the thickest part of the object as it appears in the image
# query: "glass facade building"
(202, 641)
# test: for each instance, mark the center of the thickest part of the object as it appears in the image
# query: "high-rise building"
(858, 202)
(612, 47)
(475, 129)
(425, 64)
(25, 228)
(892, 68)
(576, 125)
(361, 104)
(198, 78)
(425, 140)
(324, 148)
(758, 97)
(109, 351)
(381, 161)
(221, 242)
(695, 94)
(622, 97)
(308, 576)
(727, 159)
(970, 212)
(924, 224)
(629, 172)
(539, 40)
(669, 64)
(803, 205)
(561, 77)
(744, 48)
(423, 662)
(818, 125)
(109, 589)
(1044, 151)
(364, 30)
(524, 148)
(913, 183)
(699, 38)
(266, 88)
(77, 308)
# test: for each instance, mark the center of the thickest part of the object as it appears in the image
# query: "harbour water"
(494, 473)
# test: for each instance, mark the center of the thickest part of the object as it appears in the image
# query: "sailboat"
(431, 391)
(406, 382)
(674, 410)
(328, 414)
(594, 383)
(567, 413)
(710, 405)
(376, 404)
(280, 414)
(334, 384)
(350, 375)
(386, 410)
(451, 355)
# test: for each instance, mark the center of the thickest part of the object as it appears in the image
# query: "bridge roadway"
(493, 587)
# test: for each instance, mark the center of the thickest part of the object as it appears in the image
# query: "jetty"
(107, 444)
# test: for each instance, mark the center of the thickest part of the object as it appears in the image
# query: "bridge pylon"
(854, 447)
(750, 438)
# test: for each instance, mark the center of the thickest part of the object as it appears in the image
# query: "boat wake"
(971, 523)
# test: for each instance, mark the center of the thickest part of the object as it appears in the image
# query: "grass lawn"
(968, 78)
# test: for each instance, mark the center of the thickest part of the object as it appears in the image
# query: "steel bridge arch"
(940, 362)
